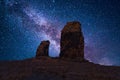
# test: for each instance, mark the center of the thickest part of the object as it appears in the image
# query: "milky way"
(39, 24)
(46, 29)
(26, 23)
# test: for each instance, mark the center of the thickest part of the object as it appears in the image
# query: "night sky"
(25, 23)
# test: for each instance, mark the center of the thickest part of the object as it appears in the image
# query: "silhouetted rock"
(72, 41)
(56, 69)
(43, 49)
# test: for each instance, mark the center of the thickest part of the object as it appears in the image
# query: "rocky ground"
(46, 68)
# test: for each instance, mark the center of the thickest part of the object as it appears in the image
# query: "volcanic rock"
(72, 41)
(43, 49)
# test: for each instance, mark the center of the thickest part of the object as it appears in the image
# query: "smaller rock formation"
(72, 41)
(43, 49)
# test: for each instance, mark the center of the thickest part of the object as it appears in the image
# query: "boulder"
(43, 49)
(72, 41)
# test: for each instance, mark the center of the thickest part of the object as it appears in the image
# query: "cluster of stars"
(27, 23)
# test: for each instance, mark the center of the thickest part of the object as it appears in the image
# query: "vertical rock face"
(72, 41)
(43, 49)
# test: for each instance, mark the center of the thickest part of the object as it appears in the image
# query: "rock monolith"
(72, 41)
(43, 49)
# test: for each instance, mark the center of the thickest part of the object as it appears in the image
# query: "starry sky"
(25, 23)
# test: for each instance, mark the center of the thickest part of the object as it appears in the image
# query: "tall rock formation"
(72, 41)
(43, 49)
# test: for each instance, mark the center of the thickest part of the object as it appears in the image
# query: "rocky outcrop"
(72, 41)
(43, 49)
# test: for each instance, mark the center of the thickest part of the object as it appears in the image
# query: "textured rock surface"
(43, 49)
(72, 41)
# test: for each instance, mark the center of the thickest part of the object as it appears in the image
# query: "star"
(24, 24)
(53, 1)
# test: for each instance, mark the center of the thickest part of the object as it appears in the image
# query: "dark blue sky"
(24, 24)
